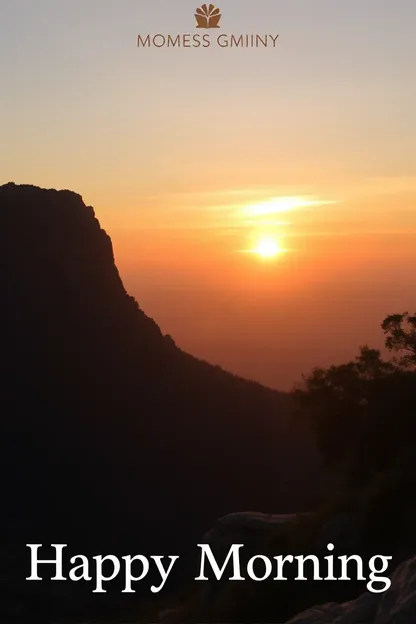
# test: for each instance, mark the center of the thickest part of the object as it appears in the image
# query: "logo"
(207, 16)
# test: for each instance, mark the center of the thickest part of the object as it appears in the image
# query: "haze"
(261, 202)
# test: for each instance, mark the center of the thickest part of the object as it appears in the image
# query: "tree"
(362, 413)
(400, 330)
(335, 401)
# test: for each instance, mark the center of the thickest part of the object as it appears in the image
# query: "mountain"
(111, 436)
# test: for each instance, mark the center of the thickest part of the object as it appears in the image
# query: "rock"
(170, 341)
(324, 614)
(252, 529)
(248, 521)
(398, 604)
(360, 611)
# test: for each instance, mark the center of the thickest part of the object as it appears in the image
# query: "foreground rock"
(246, 527)
(396, 606)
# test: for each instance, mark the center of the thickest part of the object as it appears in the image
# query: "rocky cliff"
(111, 436)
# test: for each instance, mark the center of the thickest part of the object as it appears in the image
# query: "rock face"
(307, 533)
(111, 436)
(396, 606)
(325, 614)
(216, 600)
(252, 529)
(360, 611)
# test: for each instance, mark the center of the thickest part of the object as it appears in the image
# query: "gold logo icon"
(207, 17)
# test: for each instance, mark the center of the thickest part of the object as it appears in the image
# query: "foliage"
(400, 330)
(362, 412)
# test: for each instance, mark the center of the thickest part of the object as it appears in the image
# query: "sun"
(268, 247)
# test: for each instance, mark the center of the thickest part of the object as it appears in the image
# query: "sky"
(189, 156)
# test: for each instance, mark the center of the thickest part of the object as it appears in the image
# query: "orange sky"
(186, 155)
(274, 318)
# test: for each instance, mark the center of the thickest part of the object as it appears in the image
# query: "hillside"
(109, 432)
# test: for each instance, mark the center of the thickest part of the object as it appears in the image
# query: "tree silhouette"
(401, 336)
(362, 412)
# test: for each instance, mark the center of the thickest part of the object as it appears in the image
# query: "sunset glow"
(268, 248)
(277, 205)
(240, 188)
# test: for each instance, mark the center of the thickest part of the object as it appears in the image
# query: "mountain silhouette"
(111, 435)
